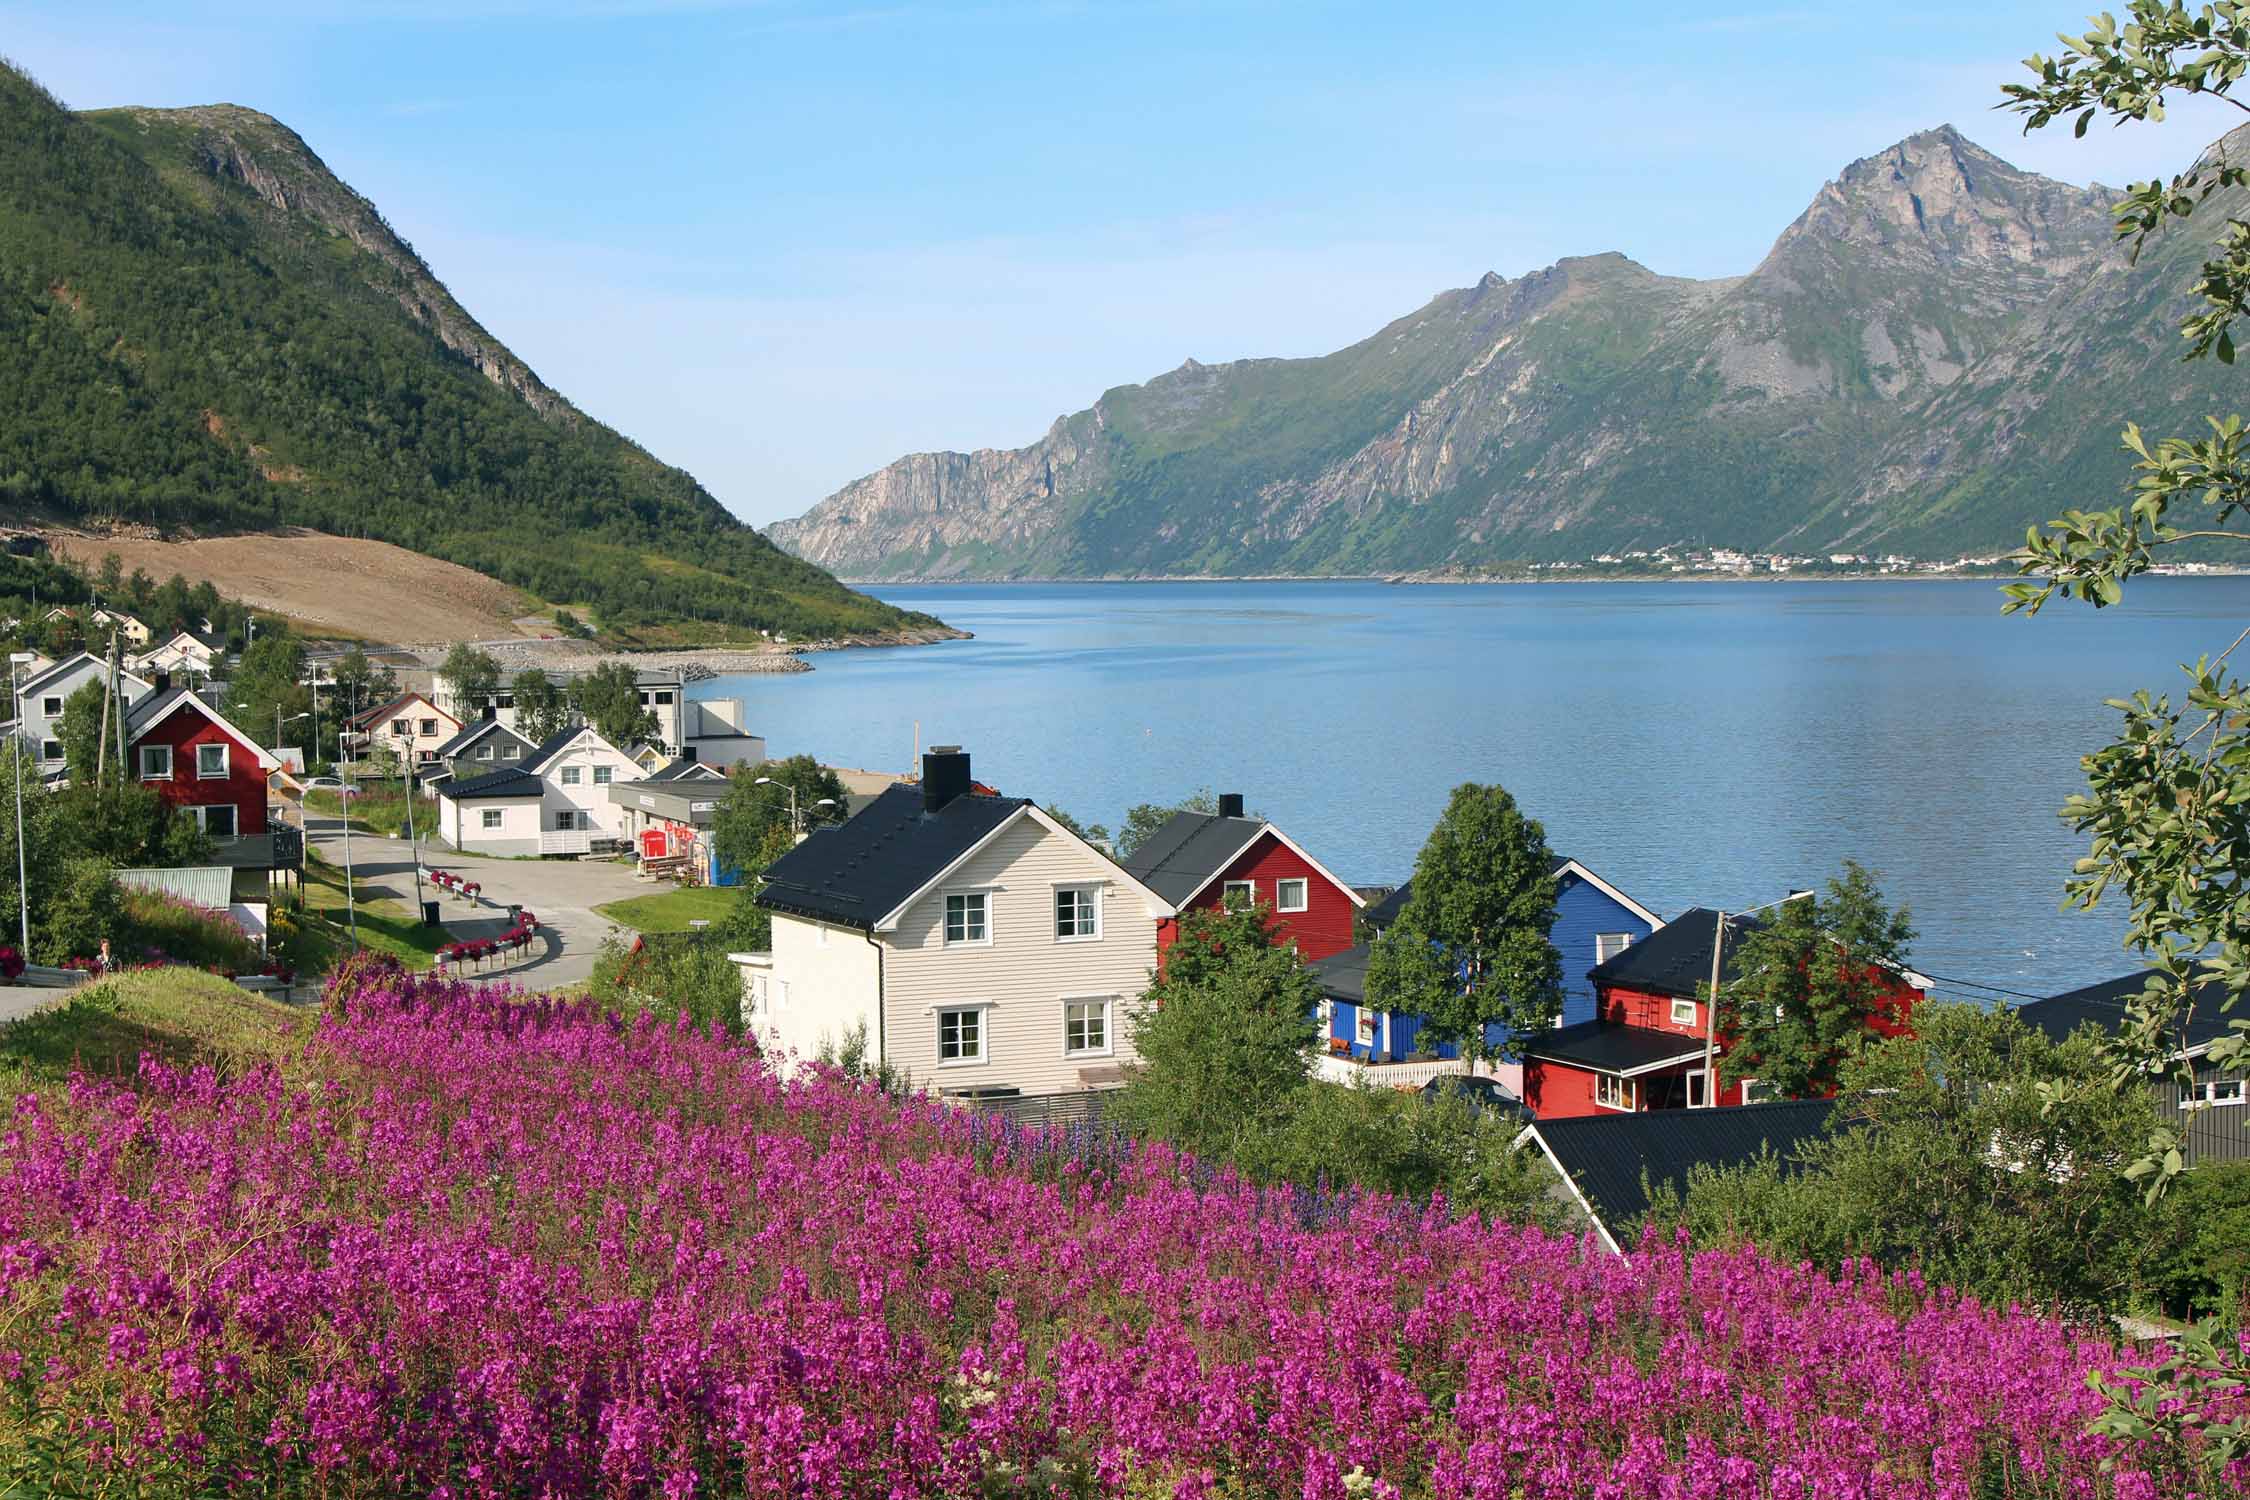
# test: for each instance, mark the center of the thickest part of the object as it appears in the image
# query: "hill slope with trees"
(201, 327)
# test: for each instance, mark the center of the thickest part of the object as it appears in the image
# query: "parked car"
(1480, 1094)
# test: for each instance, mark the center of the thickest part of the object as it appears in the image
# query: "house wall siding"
(243, 787)
(40, 726)
(2218, 1132)
(822, 983)
(462, 825)
(1025, 972)
(585, 755)
(1582, 913)
(1322, 930)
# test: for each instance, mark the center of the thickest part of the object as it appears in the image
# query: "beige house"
(414, 728)
(975, 943)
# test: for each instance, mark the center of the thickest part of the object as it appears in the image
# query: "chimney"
(688, 753)
(945, 776)
(1230, 804)
(161, 681)
(491, 712)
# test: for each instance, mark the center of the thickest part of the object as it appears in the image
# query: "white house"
(556, 802)
(662, 691)
(184, 654)
(40, 700)
(975, 943)
(415, 729)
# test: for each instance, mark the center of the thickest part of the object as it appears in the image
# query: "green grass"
(378, 808)
(673, 910)
(385, 925)
(182, 1015)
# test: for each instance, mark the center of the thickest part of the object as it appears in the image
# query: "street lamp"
(278, 721)
(795, 826)
(1711, 1007)
(16, 661)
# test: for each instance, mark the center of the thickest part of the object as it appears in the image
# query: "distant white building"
(557, 801)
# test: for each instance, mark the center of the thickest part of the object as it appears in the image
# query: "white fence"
(1410, 1075)
(569, 841)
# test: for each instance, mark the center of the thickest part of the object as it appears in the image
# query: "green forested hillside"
(201, 327)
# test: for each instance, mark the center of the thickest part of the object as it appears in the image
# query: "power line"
(1976, 984)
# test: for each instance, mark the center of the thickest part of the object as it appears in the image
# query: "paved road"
(560, 892)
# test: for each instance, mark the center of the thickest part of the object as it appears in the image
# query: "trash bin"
(515, 913)
(429, 914)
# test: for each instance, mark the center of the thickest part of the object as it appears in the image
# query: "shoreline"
(1418, 579)
(694, 663)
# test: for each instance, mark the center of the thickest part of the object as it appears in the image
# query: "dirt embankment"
(328, 585)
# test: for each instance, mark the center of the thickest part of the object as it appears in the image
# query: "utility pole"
(101, 741)
(116, 691)
(15, 739)
(1711, 1017)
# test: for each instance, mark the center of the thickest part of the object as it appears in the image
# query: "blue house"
(1594, 922)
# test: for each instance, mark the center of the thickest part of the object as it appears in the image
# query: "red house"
(198, 762)
(1201, 860)
(1644, 1049)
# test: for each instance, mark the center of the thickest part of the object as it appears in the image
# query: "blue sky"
(782, 243)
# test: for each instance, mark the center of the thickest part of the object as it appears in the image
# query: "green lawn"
(385, 925)
(182, 1015)
(379, 807)
(673, 910)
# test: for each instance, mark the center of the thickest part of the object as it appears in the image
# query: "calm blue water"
(1696, 743)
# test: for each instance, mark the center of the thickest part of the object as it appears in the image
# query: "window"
(402, 729)
(511, 752)
(960, 1036)
(966, 914)
(1365, 1027)
(216, 820)
(663, 699)
(1607, 945)
(2213, 1091)
(1696, 1088)
(429, 726)
(210, 762)
(1291, 895)
(566, 820)
(1085, 1028)
(1238, 893)
(570, 776)
(484, 752)
(601, 775)
(1613, 1092)
(50, 750)
(1683, 1012)
(489, 818)
(156, 762)
(1078, 911)
(50, 706)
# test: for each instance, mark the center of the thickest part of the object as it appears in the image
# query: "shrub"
(189, 933)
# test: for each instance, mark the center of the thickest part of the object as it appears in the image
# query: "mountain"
(1938, 351)
(202, 328)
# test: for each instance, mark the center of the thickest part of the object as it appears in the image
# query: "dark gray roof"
(686, 770)
(1607, 1154)
(2104, 1005)
(855, 873)
(155, 706)
(1676, 958)
(1343, 976)
(1180, 858)
(477, 731)
(1613, 1047)
(515, 781)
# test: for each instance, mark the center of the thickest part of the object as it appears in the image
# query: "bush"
(672, 976)
(183, 931)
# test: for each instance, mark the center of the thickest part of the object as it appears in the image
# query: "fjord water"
(1695, 744)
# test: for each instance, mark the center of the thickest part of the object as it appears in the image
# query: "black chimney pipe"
(945, 776)
(1230, 804)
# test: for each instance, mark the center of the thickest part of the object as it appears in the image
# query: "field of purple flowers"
(465, 1247)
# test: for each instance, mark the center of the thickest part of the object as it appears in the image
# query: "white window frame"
(945, 919)
(602, 775)
(484, 752)
(225, 763)
(202, 816)
(51, 750)
(1249, 889)
(566, 820)
(568, 776)
(981, 1010)
(1367, 1024)
(1281, 894)
(50, 706)
(1108, 1005)
(1614, 1092)
(2214, 1093)
(490, 818)
(1092, 894)
(1607, 945)
(148, 752)
(511, 752)
(1698, 1090)
(1679, 1019)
